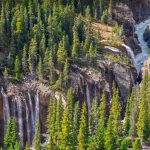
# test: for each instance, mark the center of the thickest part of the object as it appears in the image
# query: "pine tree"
(61, 53)
(109, 136)
(32, 55)
(143, 118)
(76, 46)
(101, 128)
(40, 70)
(59, 117)
(11, 137)
(66, 73)
(24, 59)
(5, 73)
(37, 141)
(76, 121)
(115, 113)
(83, 130)
(67, 136)
(17, 68)
(127, 117)
(51, 120)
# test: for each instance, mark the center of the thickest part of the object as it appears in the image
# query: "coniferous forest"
(44, 40)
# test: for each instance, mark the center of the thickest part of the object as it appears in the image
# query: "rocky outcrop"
(88, 82)
(147, 36)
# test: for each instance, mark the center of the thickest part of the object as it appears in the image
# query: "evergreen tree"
(51, 120)
(76, 121)
(17, 68)
(83, 130)
(40, 70)
(37, 141)
(109, 136)
(143, 118)
(32, 55)
(66, 73)
(115, 113)
(67, 136)
(76, 46)
(11, 140)
(61, 53)
(24, 59)
(59, 117)
(101, 128)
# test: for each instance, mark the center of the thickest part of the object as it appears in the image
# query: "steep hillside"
(68, 72)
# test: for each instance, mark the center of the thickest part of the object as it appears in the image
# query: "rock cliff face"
(128, 13)
(147, 36)
(87, 81)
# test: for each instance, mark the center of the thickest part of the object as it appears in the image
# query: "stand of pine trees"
(38, 37)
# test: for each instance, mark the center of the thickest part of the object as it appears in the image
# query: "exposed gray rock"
(146, 36)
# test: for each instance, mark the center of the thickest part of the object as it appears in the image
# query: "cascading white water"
(31, 108)
(37, 107)
(14, 108)
(20, 120)
(31, 115)
(6, 109)
(88, 97)
(130, 53)
(140, 29)
(28, 129)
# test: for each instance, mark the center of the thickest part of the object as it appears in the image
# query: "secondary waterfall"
(20, 120)
(31, 115)
(28, 129)
(25, 110)
(6, 109)
(88, 97)
(130, 53)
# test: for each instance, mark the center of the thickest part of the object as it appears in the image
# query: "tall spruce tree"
(37, 141)
(67, 134)
(11, 140)
(83, 130)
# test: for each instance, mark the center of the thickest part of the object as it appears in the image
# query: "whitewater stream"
(141, 57)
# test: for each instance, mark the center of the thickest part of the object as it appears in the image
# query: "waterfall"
(130, 52)
(28, 129)
(6, 109)
(14, 108)
(31, 108)
(37, 107)
(20, 119)
(88, 97)
(31, 115)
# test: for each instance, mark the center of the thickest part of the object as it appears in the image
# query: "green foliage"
(17, 68)
(27, 147)
(11, 137)
(83, 130)
(67, 134)
(126, 143)
(37, 141)
(136, 145)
